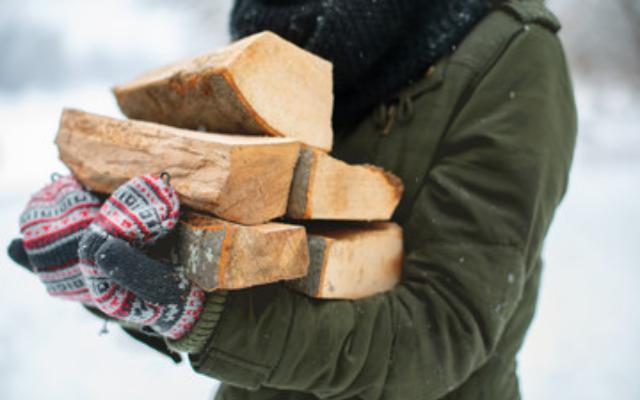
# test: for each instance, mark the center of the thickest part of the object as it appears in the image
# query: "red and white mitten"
(124, 282)
(51, 225)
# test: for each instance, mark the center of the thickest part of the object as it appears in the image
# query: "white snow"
(585, 339)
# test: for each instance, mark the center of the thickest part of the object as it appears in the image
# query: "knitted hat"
(125, 283)
(141, 211)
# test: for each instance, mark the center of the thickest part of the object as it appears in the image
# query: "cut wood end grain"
(218, 254)
(325, 188)
(352, 262)
(261, 84)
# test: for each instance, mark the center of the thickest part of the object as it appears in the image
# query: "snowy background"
(585, 340)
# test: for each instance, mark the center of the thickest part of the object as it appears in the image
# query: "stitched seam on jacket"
(287, 336)
(250, 366)
(394, 340)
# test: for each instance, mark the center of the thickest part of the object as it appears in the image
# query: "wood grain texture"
(352, 262)
(242, 179)
(325, 188)
(259, 85)
(218, 254)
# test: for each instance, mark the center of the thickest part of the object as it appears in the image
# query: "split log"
(352, 263)
(259, 85)
(239, 178)
(328, 189)
(218, 254)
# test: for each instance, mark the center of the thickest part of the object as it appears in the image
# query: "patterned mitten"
(51, 226)
(124, 282)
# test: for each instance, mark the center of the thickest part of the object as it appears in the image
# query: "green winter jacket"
(483, 144)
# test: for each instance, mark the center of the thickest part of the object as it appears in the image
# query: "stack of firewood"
(273, 101)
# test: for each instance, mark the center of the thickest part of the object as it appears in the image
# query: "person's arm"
(478, 221)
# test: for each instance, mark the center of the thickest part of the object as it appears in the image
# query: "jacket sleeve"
(476, 225)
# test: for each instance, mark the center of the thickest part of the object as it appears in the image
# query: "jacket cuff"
(197, 338)
(249, 340)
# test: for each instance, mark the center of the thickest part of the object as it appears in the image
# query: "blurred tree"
(633, 11)
(602, 38)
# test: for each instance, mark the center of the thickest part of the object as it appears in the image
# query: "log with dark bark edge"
(325, 188)
(259, 85)
(352, 262)
(242, 179)
(218, 254)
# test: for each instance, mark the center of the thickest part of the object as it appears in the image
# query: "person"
(470, 103)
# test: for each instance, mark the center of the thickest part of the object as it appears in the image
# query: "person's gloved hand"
(124, 282)
(51, 225)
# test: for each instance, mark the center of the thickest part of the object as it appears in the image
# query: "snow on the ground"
(584, 342)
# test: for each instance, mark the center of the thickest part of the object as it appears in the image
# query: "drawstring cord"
(388, 115)
(405, 109)
(392, 112)
(400, 110)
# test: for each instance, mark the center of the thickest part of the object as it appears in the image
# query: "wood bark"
(218, 254)
(329, 189)
(259, 85)
(242, 179)
(352, 262)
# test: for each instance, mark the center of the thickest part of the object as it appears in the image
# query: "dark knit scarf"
(377, 46)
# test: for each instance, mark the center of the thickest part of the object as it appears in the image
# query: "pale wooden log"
(352, 263)
(329, 189)
(218, 254)
(259, 85)
(239, 178)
